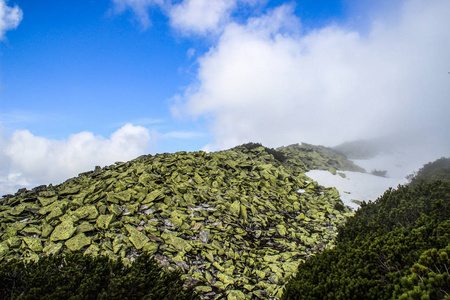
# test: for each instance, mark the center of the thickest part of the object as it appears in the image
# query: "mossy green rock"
(103, 221)
(63, 231)
(31, 230)
(236, 295)
(52, 248)
(235, 208)
(78, 242)
(153, 196)
(85, 227)
(237, 220)
(138, 239)
(47, 200)
(46, 230)
(14, 241)
(178, 243)
(87, 212)
(33, 243)
(203, 289)
(4, 248)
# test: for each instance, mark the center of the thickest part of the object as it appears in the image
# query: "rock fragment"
(63, 231)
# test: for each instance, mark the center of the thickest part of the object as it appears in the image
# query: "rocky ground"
(236, 222)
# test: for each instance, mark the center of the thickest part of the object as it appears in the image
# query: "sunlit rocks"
(136, 237)
(4, 248)
(63, 231)
(33, 243)
(78, 242)
(236, 222)
(103, 221)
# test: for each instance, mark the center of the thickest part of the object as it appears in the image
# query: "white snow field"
(364, 186)
(355, 185)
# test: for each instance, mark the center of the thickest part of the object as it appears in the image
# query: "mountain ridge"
(236, 220)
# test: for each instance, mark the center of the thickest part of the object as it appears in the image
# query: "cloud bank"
(10, 17)
(29, 160)
(267, 81)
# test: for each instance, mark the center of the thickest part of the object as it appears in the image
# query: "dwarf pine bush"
(77, 276)
(393, 248)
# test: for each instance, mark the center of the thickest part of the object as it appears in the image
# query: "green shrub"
(77, 276)
(382, 251)
(430, 278)
(437, 170)
(277, 155)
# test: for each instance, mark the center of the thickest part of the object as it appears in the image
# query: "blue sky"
(73, 66)
(85, 83)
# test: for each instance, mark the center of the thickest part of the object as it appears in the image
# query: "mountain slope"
(394, 248)
(237, 222)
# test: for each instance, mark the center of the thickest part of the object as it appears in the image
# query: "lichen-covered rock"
(89, 212)
(237, 222)
(52, 248)
(46, 230)
(63, 231)
(33, 243)
(138, 239)
(47, 200)
(103, 221)
(3, 249)
(78, 242)
(85, 227)
(153, 196)
(236, 295)
(178, 243)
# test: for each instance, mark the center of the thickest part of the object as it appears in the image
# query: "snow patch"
(355, 186)
(367, 187)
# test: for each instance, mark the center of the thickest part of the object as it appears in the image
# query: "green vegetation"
(235, 224)
(381, 173)
(437, 170)
(394, 248)
(78, 276)
(277, 155)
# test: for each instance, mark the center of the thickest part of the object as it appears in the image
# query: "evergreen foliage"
(77, 276)
(277, 155)
(437, 170)
(430, 277)
(394, 248)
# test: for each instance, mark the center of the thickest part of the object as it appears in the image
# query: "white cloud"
(139, 8)
(185, 135)
(190, 53)
(266, 82)
(31, 160)
(200, 16)
(10, 17)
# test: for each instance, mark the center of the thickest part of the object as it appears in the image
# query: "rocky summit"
(236, 222)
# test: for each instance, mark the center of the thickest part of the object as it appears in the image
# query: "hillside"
(437, 170)
(236, 222)
(394, 248)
